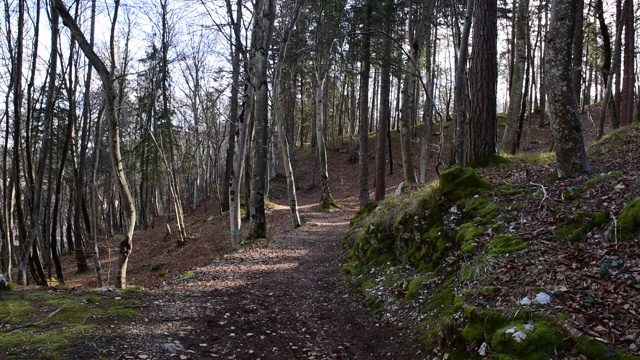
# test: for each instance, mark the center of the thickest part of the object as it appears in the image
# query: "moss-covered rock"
(579, 225)
(506, 244)
(537, 339)
(467, 233)
(414, 287)
(595, 350)
(629, 221)
(596, 179)
(458, 183)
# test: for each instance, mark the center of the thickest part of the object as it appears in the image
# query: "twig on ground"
(35, 323)
(544, 192)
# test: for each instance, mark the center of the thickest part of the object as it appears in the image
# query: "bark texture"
(483, 77)
(459, 101)
(562, 101)
(509, 141)
(264, 14)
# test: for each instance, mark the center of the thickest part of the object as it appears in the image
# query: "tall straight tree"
(278, 113)
(418, 23)
(106, 75)
(483, 78)
(29, 251)
(628, 72)
(509, 142)
(363, 127)
(459, 101)
(263, 22)
(385, 104)
(328, 17)
(578, 36)
(564, 111)
(238, 137)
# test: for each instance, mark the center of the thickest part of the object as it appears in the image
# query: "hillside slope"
(513, 263)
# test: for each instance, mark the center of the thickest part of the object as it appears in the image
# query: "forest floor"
(278, 299)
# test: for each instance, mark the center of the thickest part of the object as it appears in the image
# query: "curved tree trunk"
(126, 244)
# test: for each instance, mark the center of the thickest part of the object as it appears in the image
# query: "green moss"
(490, 291)
(414, 287)
(595, 350)
(467, 233)
(540, 343)
(542, 158)
(364, 211)
(601, 177)
(572, 193)
(629, 221)
(459, 183)
(491, 160)
(506, 244)
(187, 275)
(328, 203)
(579, 225)
(443, 304)
(481, 209)
(57, 321)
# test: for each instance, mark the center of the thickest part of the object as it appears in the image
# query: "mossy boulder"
(579, 225)
(506, 244)
(458, 183)
(537, 339)
(467, 233)
(595, 350)
(629, 221)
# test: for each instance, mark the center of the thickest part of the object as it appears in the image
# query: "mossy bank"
(432, 256)
(58, 324)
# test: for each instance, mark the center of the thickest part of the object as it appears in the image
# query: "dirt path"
(277, 300)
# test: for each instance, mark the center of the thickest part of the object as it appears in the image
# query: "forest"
(123, 116)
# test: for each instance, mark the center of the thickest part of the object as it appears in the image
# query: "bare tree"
(278, 115)
(126, 244)
(411, 73)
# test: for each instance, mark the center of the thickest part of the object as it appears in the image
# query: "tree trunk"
(608, 95)
(363, 127)
(566, 124)
(429, 106)
(578, 35)
(264, 14)
(628, 76)
(240, 136)
(126, 244)
(407, 111)
(459, 100)
(278, 114)
(385, 106)
(509, 140)
(483, 78)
